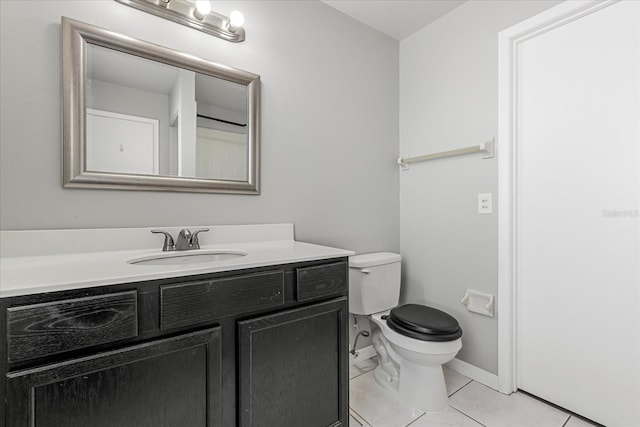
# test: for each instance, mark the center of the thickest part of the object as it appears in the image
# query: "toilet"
(412, 341)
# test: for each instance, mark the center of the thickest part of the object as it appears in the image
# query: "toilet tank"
(374, 282)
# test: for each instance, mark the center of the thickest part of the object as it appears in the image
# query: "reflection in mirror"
(142, 125)
(153, 118)
(221, 134)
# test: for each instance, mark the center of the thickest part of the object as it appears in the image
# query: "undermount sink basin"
(187, 257)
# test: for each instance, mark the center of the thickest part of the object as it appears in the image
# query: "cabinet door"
(293, 368)
(168, 382)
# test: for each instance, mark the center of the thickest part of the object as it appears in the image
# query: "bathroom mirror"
(139, 116)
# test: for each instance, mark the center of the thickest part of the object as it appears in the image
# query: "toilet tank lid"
(373, 259)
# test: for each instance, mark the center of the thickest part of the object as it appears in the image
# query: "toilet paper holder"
(479, 302)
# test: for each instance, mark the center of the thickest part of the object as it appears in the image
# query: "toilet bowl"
(412, 341)
(419, 380)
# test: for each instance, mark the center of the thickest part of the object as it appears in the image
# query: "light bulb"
(236, 19)
(203, 7)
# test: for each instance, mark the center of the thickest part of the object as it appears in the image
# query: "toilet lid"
(425, 323)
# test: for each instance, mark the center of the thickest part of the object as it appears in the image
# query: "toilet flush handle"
(365, 271)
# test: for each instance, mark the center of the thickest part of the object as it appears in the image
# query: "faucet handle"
(168, 245)
(195, 244)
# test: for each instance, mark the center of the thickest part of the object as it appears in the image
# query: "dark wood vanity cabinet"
(287, 367)
(250, 348)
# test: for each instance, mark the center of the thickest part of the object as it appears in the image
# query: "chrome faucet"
(185, 241)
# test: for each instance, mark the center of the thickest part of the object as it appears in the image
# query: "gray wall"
(448, 100)
(329, 115)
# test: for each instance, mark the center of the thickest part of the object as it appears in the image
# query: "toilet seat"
(423, 323)
(412, 344)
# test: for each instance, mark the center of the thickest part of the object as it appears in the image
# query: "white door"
(122, 143)
(578, 234)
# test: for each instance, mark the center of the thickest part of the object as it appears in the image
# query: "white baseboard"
(475, 373)
(363, 354)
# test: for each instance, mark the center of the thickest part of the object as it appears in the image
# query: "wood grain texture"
(54, 327)
(321, 281)
(205, 301)
(173, 382)
(293, 367)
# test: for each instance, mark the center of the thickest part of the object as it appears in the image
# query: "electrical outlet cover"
(485, 203)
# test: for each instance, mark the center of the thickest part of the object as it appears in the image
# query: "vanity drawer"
(190, 303)
(54, 327)
(320, 281)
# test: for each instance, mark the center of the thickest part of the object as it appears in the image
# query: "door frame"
(509, 43)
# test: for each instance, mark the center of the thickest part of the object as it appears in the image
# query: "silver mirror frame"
(75, 37)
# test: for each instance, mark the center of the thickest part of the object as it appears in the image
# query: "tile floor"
(470, 404)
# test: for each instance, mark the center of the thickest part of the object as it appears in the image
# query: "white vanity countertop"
(24, 271)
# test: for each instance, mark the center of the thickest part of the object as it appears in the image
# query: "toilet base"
(421, 386)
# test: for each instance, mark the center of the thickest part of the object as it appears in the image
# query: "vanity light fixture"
(195, 14)
(203, 8)
(236, 20)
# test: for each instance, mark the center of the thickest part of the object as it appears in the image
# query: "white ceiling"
(396, 18)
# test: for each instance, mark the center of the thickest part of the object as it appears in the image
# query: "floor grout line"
(357, 376)
(413, 421)
(461, 387)
(468, 416)
(470, 381)
(362, 373)
(361, 417)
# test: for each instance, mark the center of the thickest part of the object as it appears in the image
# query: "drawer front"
(54, 327)
(321, 281)
(191, 303)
